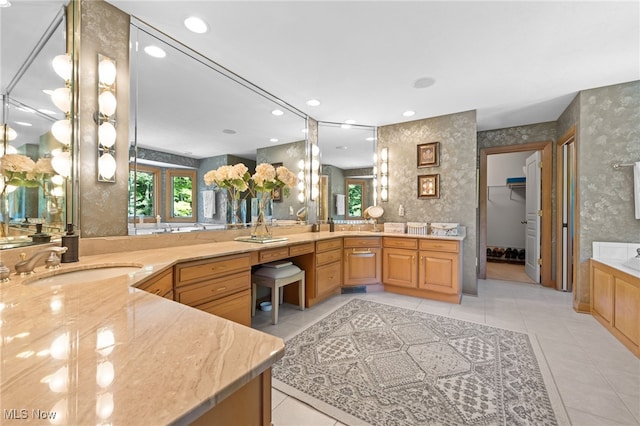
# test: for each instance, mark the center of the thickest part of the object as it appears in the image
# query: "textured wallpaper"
(289, 155)
(609, 132)
(103, 29)
(458, 196)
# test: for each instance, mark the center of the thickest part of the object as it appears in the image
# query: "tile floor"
(597, 378)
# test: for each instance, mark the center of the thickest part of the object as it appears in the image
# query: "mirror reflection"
(190, 116)
(347, 181)
(36, 99)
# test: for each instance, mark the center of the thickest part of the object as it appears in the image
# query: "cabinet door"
(399, 267)
(439, 272)
(236, 307)
(162, 285)
(328, 278)
(602, 294)
(627, 302)
(362, 266)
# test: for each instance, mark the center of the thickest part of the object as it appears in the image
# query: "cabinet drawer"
(274, 254)
(328, 257)
(196, 294)
(402, 243)
(236, 308)
(362, 242)
(301, 249)
(191, 272)
(329, 277)
(328, 244)
(439, 245)
(160, 285)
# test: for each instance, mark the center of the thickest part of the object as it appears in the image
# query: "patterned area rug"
(371, 363)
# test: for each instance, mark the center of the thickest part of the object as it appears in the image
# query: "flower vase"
(261, 214)
(236, 212)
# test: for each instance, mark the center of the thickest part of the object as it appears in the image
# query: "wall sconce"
(384, 174)
(301, 181)
(315, 171)
(375, 179)
(61, 129)
(106, 119)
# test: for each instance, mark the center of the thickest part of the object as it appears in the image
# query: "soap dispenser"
(70, 241)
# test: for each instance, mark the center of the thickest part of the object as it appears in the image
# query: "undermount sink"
(84, 275)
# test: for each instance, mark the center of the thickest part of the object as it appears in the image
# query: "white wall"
(505, 207)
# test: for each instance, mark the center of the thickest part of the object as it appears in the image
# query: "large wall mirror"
(35, 160)
(189, 115)
(347, 180)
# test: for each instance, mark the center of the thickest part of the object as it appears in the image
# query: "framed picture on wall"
(429, 154)
(429, 186)
(276, 194)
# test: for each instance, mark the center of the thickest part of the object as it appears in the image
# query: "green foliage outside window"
(354, 200)
(182, 196)
(141, 190)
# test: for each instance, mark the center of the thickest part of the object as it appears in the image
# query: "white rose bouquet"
(234, 178)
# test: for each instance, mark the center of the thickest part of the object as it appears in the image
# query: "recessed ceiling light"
(345, 126)
(370, 139)
(341, 147)
(350, 121)
(277, 112)
(409, 113)
(23, 123)
(313, 102)
(305, 130)
(47, 111)
(155, 51)
(26, 109)
(423, 82)
(5, 3)
(273, 140)
(196, 25)
(229, 131)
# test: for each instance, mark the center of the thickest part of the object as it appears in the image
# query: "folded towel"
(340, 204)
(636, 187)
(208, 204)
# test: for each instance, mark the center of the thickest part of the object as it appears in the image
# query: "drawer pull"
(218, 289)
(367, 251)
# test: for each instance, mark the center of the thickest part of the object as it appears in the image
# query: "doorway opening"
(542, 259)
(566, 211)
(511, 254)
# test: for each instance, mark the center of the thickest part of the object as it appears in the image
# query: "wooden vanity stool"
(276, 275)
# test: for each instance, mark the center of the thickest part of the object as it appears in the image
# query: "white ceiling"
(515, 62)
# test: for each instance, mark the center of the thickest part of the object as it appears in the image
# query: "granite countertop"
(106, 352)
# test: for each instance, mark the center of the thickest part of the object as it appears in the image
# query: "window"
(356, 195)
(181, 201)
(143, 192)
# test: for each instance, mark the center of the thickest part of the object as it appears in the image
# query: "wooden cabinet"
(323, 271)
(615, 303)
(161, 284)
(428, 268)
(399, 262)
(221, 286)
(362, 261)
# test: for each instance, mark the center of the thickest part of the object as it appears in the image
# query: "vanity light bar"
(107, 105)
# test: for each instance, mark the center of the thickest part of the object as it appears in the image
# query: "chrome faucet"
(26, 266)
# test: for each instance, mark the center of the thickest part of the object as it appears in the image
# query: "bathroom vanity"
(615, 293)
(131, 348)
